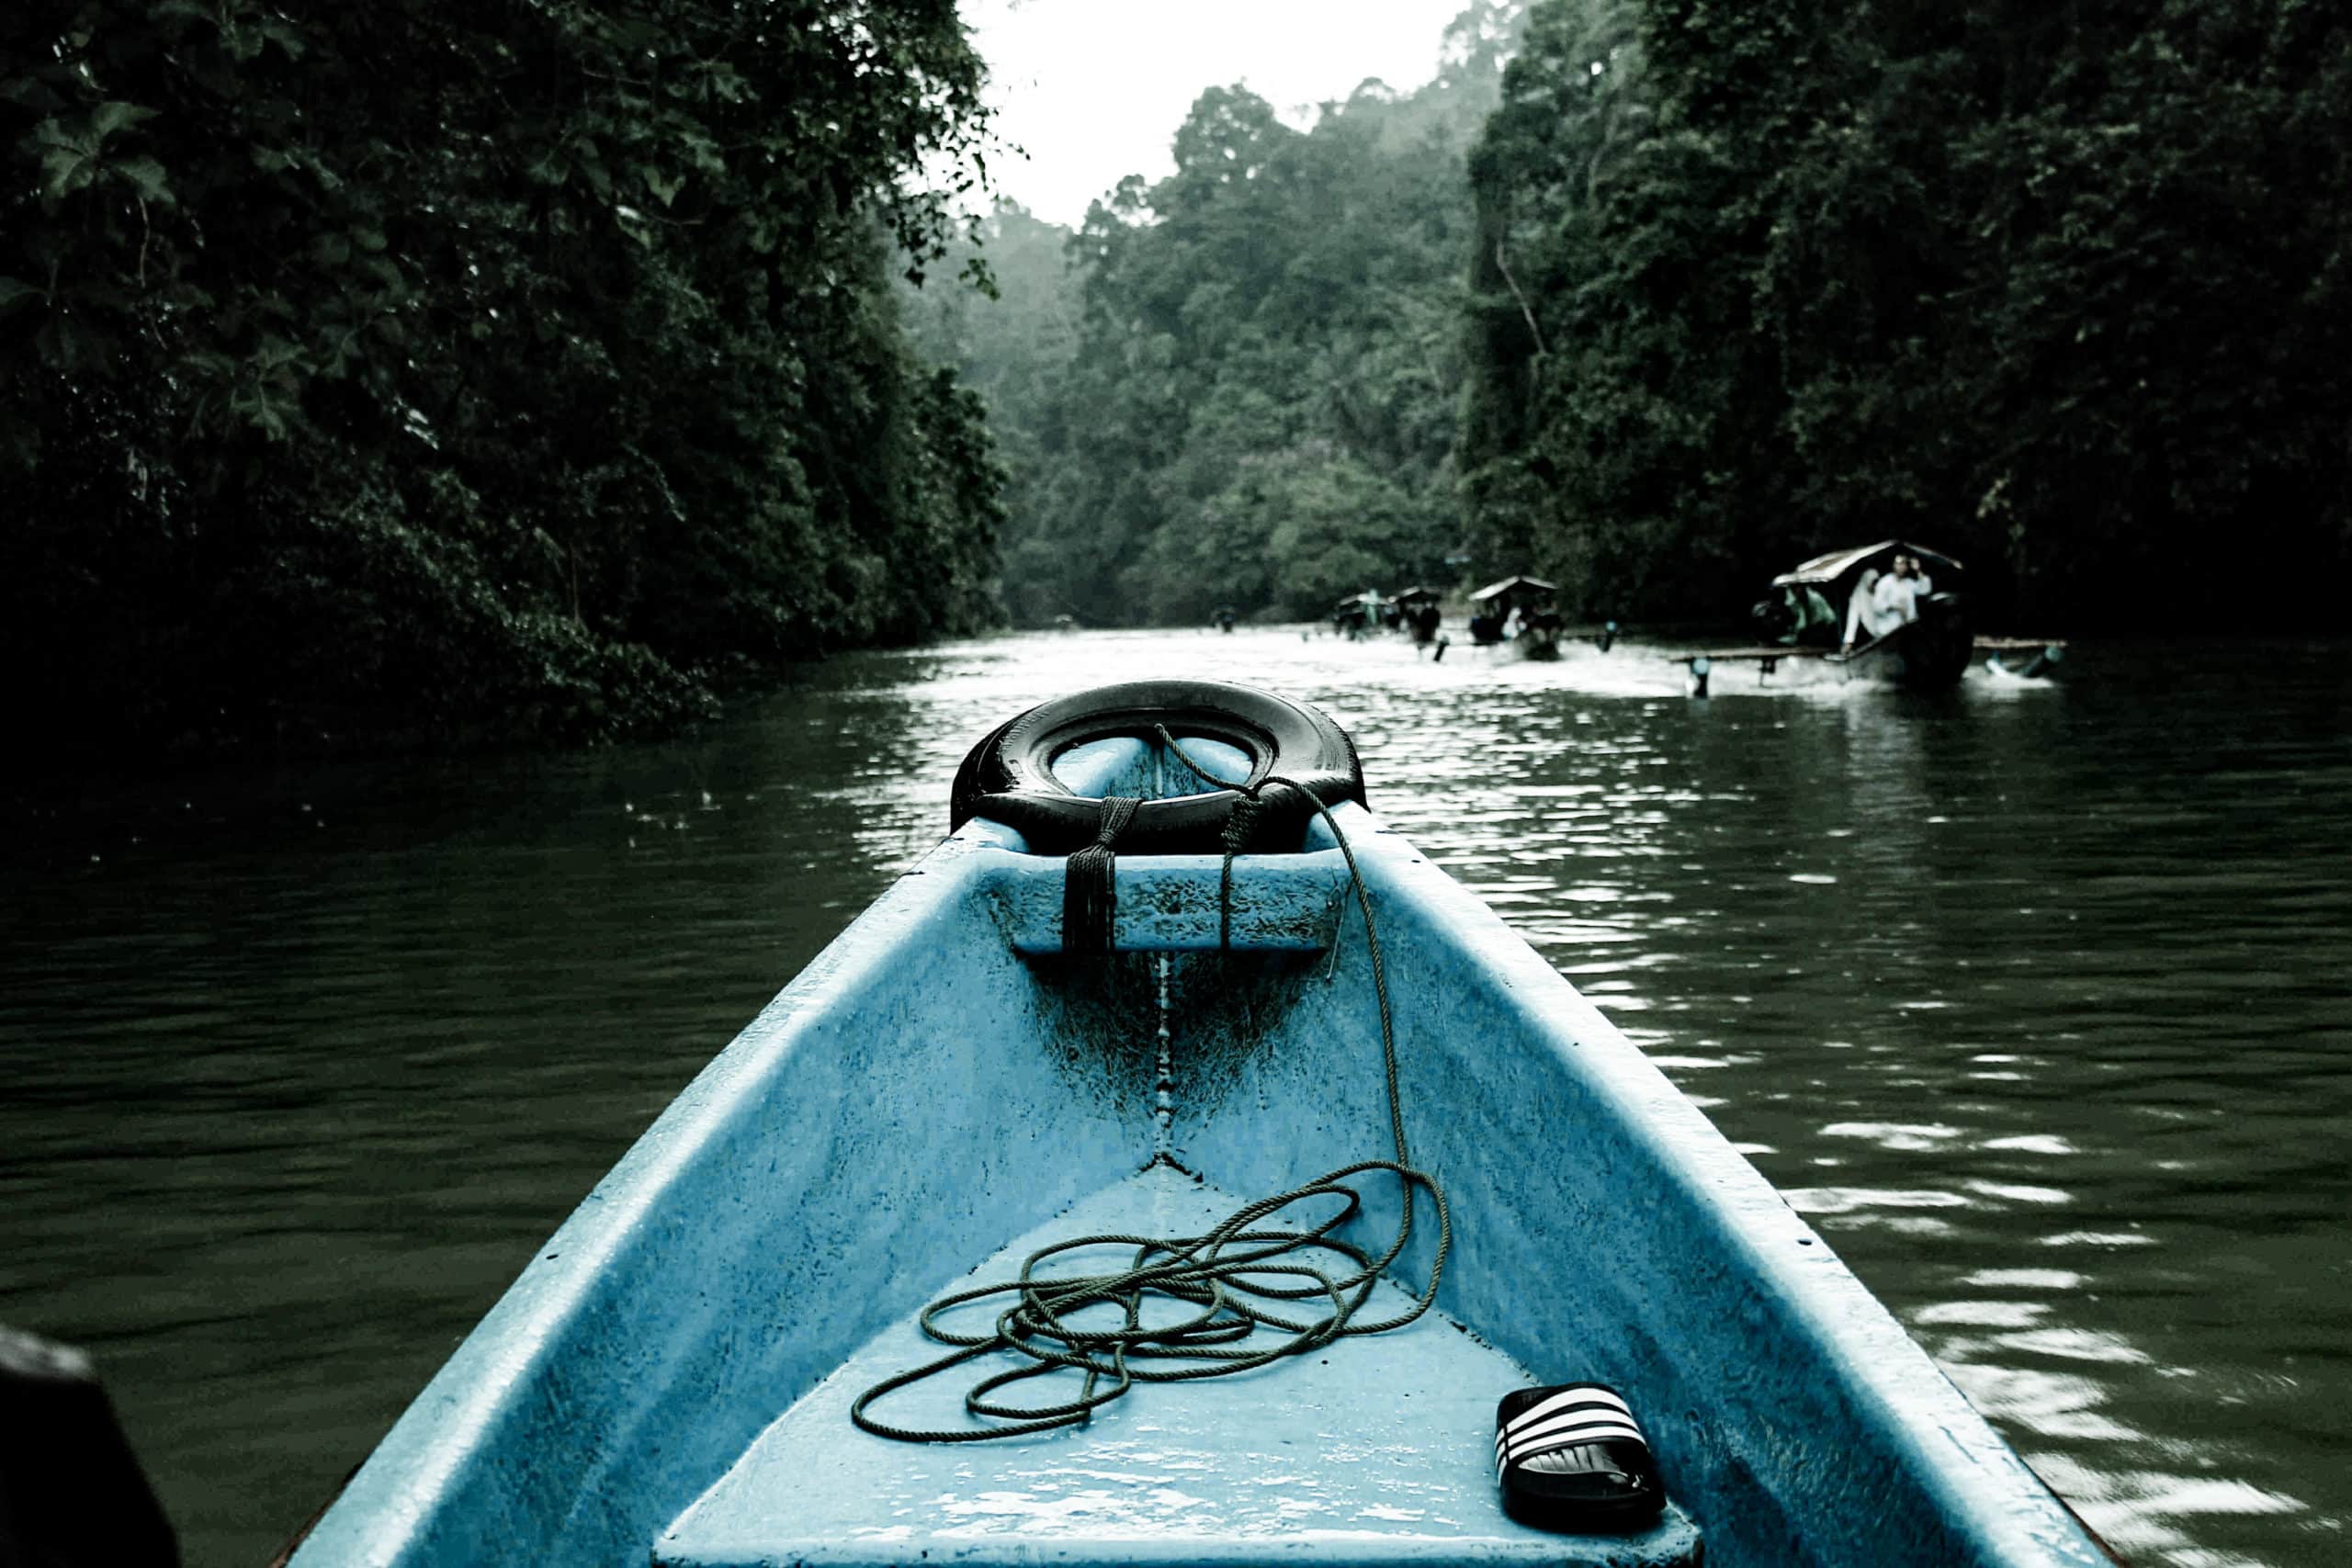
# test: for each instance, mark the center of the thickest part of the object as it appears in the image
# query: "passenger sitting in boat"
(1887, 600)
(1900, 591)
(1862, 611)
(1804, 608)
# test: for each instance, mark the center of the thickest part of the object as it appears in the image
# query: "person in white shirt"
(1886, 600)
(1901, 589)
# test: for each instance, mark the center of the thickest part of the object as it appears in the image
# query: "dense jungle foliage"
(2065, 290)
(1238, 386)
(412, 368)
(545, 370)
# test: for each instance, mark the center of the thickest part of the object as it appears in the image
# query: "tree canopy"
(2060, 288)
(550, 369)
(479, 369)
(1236, 386)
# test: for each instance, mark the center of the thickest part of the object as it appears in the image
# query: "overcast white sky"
(1094, 89)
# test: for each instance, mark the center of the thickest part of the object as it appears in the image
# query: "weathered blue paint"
(1170, 903)
(923, 1093)
(1605, 1230)
(1123, 765)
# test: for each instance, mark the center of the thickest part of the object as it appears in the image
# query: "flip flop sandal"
(1571, 1457)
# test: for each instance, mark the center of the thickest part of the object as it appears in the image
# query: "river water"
(2033, 996)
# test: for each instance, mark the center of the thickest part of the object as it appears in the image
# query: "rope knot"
(1089, 882)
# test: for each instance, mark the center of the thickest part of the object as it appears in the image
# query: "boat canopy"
(1837, 565)
(1512, 586)
(1369, 599)
(1417, 595)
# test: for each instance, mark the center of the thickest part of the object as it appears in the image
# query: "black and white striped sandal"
(1571, 1457)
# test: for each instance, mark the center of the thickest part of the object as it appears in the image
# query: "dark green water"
(2034, 997)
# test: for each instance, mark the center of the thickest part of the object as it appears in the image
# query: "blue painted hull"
(668, 1379)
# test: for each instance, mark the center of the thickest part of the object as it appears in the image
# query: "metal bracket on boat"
(1169, 903)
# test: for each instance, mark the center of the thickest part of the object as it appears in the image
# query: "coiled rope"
(1229, 1274)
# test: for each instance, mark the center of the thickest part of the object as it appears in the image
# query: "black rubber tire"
(1009, 776)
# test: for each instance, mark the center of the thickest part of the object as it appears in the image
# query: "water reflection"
(2031, 996)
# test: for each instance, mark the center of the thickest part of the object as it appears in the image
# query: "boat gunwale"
(2004, 1512)
(395, 1508)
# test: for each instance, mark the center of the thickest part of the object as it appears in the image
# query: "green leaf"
(147, 177)
(13, 293)
(110, 117)
(286, 36)
(665, 191)
(64, 170)
(704, 153)
(263, 412)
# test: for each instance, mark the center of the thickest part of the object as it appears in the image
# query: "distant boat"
(958, 1082)
(1418, 614)
(1360, 614)
(1520, 610)
(1865, 612)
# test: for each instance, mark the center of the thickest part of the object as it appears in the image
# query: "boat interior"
(945, 1091)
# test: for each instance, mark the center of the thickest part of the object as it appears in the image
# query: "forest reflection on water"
(2031, 996)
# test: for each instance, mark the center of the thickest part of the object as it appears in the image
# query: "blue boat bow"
(942, 1092)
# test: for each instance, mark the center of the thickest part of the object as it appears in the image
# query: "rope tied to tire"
(1238, 1275)
(1090, 884)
